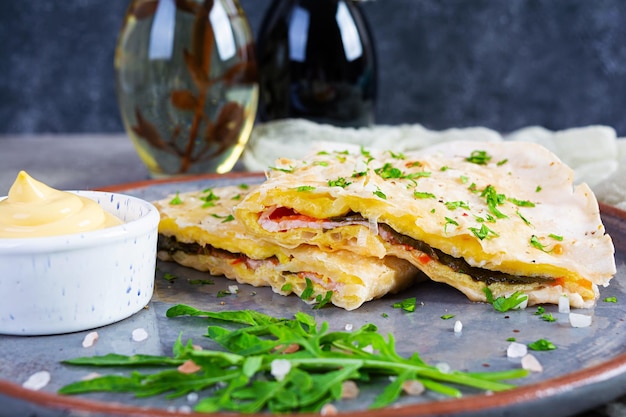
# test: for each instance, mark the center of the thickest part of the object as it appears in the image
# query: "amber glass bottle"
(316, 61)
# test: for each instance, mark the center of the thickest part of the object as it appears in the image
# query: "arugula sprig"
(240, 378)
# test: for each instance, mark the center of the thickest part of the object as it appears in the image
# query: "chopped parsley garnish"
(610, 300)
(244, 186)
(304, 188)
(176, 200)
(484, 232)
(542, 344)
(321, 163)
(453, 205)
(286, 287)
(236, 197)
(463, 179)
(502, 162)
(521, 203)
(322, 301)
(388, 171)
(209, 197)
(479, 157)
(556, 237)
(223, 293)
(523, 218)
(449, 221)
(407, 304)
(225, 219)
(538, 188)
(536, 242)
(378, 193)
(504, 304)
(398, 155)
(339, 182)
(308, 290)
(493, 200)
(169, 277)
(447, 316)
(289, 170)
(421, 194)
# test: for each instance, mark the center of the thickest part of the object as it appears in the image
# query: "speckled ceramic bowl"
(75, 282)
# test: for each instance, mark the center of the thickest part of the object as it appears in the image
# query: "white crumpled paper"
(595, 153)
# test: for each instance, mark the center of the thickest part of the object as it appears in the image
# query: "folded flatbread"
(198, 230)
(503, 216)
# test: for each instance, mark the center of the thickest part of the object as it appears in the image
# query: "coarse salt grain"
(413, 387)
(349, 390)
(531, 363)
(368, 349)
(188, 367)
(233, 289)
(458, 326)
(90, 339)
(280, 368)
(192, 397)
(37, 381)
(140, 334)
(579, 320)
(564, 304)
(348, 327)
(516, 350)
(329, 410)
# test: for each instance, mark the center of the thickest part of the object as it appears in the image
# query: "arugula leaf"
(239, 378)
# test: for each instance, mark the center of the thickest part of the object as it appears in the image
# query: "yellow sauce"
(32, 209)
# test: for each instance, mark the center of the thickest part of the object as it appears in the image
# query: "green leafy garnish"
(484, 232)
(243, 186)
(209, 198)
(449, 221)
(453, 205)
(239, 376)
(304, 188)
(407, 304)
(502, 162)
(289, 170)
(176, 200)
(286, 287)
(542, 344)
(610, 300)
(504, 304)
(339, 182)
(322, 301)
(447, 316)
(421, 194)
(493, 200)
(521, 203)
(225, 218)
(308, 290)
(479, 157)
(169, 277)
(378, 193)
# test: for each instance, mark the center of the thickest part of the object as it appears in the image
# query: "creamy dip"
(33, 209)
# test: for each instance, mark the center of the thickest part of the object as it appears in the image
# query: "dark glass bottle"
(316, 61)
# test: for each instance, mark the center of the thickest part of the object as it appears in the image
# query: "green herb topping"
(279, 365)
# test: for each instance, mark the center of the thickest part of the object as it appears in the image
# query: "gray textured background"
(504, 64)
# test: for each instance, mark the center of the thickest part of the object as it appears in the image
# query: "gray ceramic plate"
(587, 369)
